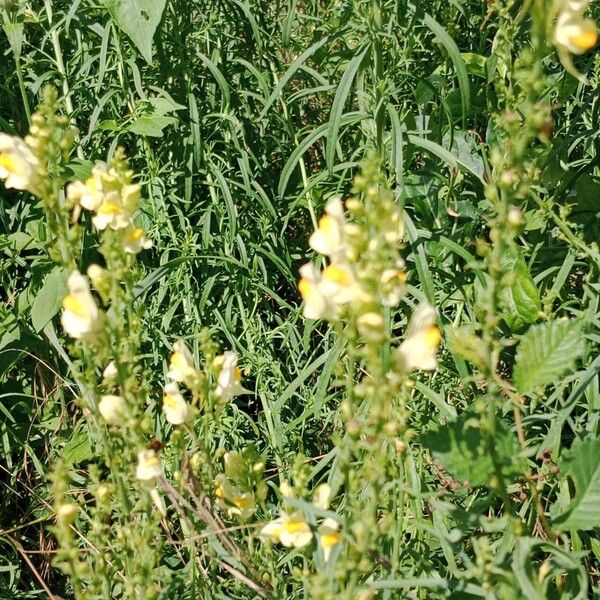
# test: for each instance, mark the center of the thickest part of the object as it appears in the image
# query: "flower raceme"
(81, 318)
(18, 164)
(573, 32)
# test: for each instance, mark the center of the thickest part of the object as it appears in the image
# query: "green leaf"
(150, 125)
(78, 449)
(521, 299)
(546, 352)
(48, 300)
(582, 463)
(138, 19)
(461, 448)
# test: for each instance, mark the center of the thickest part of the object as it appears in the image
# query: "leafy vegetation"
(374, 447)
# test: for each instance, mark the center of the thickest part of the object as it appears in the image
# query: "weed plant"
(299, 299)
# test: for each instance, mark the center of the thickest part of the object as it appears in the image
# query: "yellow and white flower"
(573, 32)
(88, 194)
(80, 318)
(329, 536)
(175, 407)
(330, 238)
(393, 286)
(288, 530)
(113, 409)
(18, 164)
(148, 466)
(237, 503)
(340, 285)
(423, 337)
(229, 377)
(134, 240)
(321, 496)
(116, 210)
(316, 304)
(181, 366)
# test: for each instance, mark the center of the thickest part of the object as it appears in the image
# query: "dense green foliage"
(240, 119)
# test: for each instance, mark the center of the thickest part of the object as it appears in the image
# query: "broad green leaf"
(582, 464)
(520, 300)
(462, 449)
(48, 300)
(546, 352)
(138, 19)
(151, 125)
(78, 449)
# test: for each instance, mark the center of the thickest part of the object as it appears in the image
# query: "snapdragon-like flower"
(134, 240)
(181, 366)
(573, 32)
(288, 530)
(237, 503)
(80, 318)
(88, 194)
(175, 407)
(18, 164)
(317, 305)
(423, 337)
(117, 208)
(393, 286)
(330, 238)
(112, 408)
(229, 377)
(148, 466)
(329, 536)
(110, 372)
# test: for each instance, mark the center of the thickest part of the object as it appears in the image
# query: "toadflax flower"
(80, 318)
(175, 407)
(17, 163)
(288, 530)
(237, 503)
(330, 238)
(112, 408)
(423, 337)
(181, 366)
(134, 240)
(329, 536)
(316, 304)
(573, 32)
(229, 377)
(148, 467)
(117, 208)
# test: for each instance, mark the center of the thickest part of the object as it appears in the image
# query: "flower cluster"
(292, 530)
(113, 198)
(365, 274)
(573, 32)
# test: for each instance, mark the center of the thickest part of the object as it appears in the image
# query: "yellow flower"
(393, 286)
(88, 194)
(339, 284)
(423, 337)
(81, 318)
(316, 304)
(181, 367)
(329, 536)
(148, 467)
(288, 530)
(321, 496)
(112, 409)
(175, 407)
(330, 238)
(239, 504)
(134, 240)
(229, 377)
(573, 32)
(17, 163)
